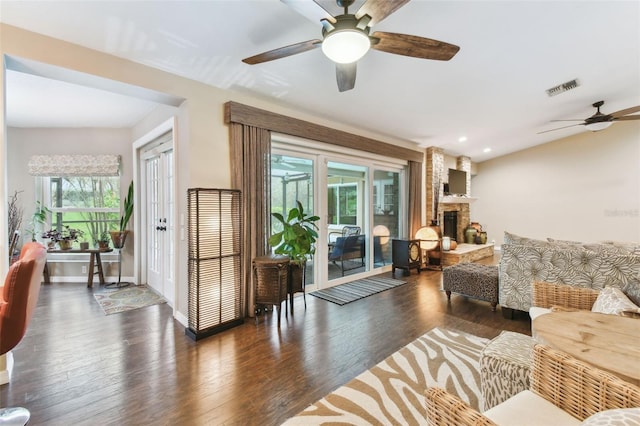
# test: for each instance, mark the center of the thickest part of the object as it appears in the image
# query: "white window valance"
(74, 165)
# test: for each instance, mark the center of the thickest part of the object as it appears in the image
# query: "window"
(88, 203)
(343, 204)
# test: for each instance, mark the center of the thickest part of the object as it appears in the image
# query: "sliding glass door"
(360, 205)
(386, 214)
(292, 181)
(347, 219)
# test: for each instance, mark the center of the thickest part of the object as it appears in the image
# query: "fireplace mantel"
(450, 199)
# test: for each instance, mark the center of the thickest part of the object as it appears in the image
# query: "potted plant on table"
(296, 240)
(65, 237)
(118, 237)
(103, 239)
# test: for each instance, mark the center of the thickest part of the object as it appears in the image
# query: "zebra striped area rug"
(346, 293)
(392, 392)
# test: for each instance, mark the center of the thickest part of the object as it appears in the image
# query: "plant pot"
(103, 245)
(65, 244)
(118, 238)
(84, 246)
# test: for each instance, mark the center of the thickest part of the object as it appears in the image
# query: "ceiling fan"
(345, 38)
(600, 121)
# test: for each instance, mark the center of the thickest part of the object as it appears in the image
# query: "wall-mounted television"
(457, 182)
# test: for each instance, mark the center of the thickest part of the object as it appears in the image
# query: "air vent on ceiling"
(564, 87)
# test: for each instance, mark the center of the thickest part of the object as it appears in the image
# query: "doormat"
(355, 290)
(127, 299)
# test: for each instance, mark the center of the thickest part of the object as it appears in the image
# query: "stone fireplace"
(435, 172)
(462, 215)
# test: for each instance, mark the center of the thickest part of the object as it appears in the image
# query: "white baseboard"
(183, 320)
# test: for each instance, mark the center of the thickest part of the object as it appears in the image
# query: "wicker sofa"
(525, 260)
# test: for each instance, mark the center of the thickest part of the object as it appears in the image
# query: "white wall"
(583, 188)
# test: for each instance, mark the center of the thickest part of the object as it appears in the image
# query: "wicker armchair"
(575, 387)
(546, 295)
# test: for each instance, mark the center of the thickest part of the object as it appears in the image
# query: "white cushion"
(617, 417)
(528, 409)
(612, 300)
(535, 312)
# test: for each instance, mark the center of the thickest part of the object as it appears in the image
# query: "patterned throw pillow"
(608, 249)
(510, 238)
(617, 417)
(612, 300)
(631, 248)
(551, 240)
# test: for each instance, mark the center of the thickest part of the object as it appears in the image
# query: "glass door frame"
(321, 153)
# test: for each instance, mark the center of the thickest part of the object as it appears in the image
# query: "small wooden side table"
(609, 342)
(94, 259)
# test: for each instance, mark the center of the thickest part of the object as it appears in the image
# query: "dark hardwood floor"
(78, 366)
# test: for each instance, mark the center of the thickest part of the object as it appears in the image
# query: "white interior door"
(160, 224)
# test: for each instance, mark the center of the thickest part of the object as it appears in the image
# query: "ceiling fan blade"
(379, 9)
(627, 118)
(624, 112)
(559, 128)
(569, 119)
(346, 76)
(282, 52)
(310, 10)
(417, 47)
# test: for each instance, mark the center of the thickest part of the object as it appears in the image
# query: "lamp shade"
(428, 237)
(215, 263)
(382, 232)
(345, 46)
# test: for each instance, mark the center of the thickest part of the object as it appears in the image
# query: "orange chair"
(18, 298)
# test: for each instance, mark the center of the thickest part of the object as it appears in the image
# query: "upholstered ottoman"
(473, 280)
(505, 365)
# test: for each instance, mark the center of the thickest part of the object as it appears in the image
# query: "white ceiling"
(492, 91)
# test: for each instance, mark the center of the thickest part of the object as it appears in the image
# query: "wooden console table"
(94, 259)
(609, 342)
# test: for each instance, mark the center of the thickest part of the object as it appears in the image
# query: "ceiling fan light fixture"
(345, 46)
(599, 125)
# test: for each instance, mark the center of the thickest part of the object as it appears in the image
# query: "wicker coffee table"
(609, 342)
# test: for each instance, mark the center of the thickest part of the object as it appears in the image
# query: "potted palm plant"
(296, 240)
(118, 237)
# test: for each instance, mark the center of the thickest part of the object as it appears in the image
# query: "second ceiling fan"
(347, 38)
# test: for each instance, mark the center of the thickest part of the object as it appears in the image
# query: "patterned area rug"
(127, 299)
(345, 293)
(392, 392)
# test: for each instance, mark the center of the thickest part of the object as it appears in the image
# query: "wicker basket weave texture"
(546, 295)
(270, 273)
(576, 387)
